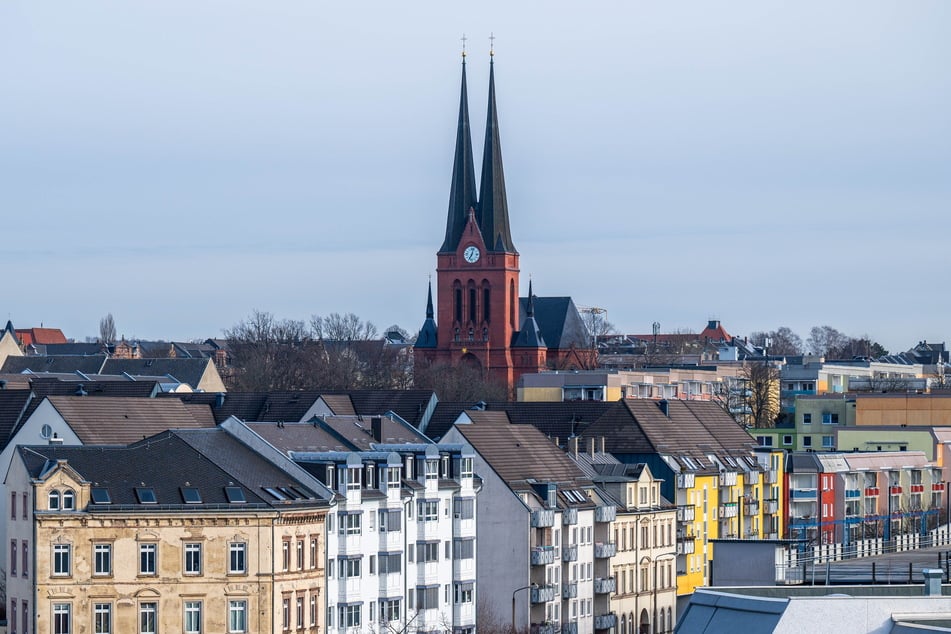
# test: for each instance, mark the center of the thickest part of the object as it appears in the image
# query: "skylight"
(235, 495)
(146, 495)
(191, 495)
(277, 495)
(100, 496)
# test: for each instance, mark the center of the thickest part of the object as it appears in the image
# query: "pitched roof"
(518, 452)
(120, 420)
(559, 321)
(65, 363)
(30, 336)
(188, 371)
(555, 419)
(462, 193)
(339, 404)
(43, 387)
(493, 211)
(12, 405)
(335, 433)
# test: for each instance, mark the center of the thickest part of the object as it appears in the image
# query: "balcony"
(569, 517)
(686, 548)
(605, 585)
(605, 514)
(852, 493)
(544, 628)
(569, 590)
(803, 494)
(569, 553)
(751, 477)
(605, 621)
(728, 478)
(686, 513)
(684, 534)
(772, 476)
(604, 550)
(543, 555)
(543, 518)
(543, 594)
(872, 492)
(685, 480)
(728, 510)
(569, 628)
(751, 507)
(771, 507)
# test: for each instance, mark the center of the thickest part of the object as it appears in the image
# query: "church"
(479, 318)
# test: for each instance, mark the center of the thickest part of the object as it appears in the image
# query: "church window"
(458, 304)
(485, 304)
(512, 304)
(472, 304)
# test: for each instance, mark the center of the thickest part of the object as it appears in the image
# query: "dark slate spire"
(427, 334)
(462, 195)
(530, 336)
(493, 206)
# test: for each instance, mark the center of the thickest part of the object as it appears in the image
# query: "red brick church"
(479, 318)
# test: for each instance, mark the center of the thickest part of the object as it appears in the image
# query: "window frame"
(148, 558)
(192, 559)
(62, 564)
(101, 553)
(102, 617)
(193, 609)
(237, 550)
(237, 616)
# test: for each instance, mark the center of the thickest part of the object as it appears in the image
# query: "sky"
(181, 164)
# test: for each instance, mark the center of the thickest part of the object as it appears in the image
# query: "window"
(300, 613)
(13, 616)
(238, 616)
(26, 506)
(146, 495)
(349, 567)
(235, 495)
(427, 598)
(350, 615)
(463, 548)
(314, 549)
(102, 559)
(827, 442)
(192, 617)
(463, 508)
(100, 496)
(53, 499)
(390, 563)
(765, 441)
(830, 419)
(390, 521)
(62, 554)
(286, 614)
(286, 555)
(432, 469)
(428, 510)
(237, 558)
(13, 506)
(191, 495)
(62, 618)
(390, 610)
(313, 608)
(393, 477)
(807, 441)
(25, 552)
(807, 419)
(102, 618)
(26, 617)
(353, 479)
(148, 622)
(787, 439)
(69, 500)
(147, 553)
(465, 466)
(13, 557)
(192, 559)
(350, 523)
(300, 554)
(464, 592)
(427, 552)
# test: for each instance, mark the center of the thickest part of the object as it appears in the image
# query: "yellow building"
(187, 531)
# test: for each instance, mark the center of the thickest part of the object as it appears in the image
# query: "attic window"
(235, 495)
(146, 495)
(100, 496)
(291, 493)
(191, 495)
(277, 495)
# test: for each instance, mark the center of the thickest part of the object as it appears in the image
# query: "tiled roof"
(555, 419)
(30, 336)
(75, 349)
(44, 387)
(339, 404)
(242, 405)
(65, 363)
(335, 433)
(120, 420)
(298, 437)
(12, 405)
(518, 452)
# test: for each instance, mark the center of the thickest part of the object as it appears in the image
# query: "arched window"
(660, 621)
(624, 624)
(54, 500)
(486, 296)
(69, 500)
(457, 299)
(472, 304)
(670, 620)
(513, 303)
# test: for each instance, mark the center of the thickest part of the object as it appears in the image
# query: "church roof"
(558, 320)
(529, 335)
(427, 334)
(462, 194)
(493, 211)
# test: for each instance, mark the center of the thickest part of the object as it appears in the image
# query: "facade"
(550, 531)
(479, 319)
(108, 539)
(9, 343)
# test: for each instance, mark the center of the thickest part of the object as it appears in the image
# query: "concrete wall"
(744, 563)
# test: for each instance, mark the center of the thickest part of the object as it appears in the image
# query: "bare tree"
(107, 329)
(825, 340)
(783, 341)
(462, 382)
(596, 321)
(761, 391)
(270, 354)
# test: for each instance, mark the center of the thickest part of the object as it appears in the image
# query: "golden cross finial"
(491, 44)
(464, 38)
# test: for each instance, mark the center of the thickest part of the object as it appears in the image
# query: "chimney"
(932, 581)
(573, 446)
(556, 441)
(591, 446)
(376, 428)
(664, 406)
(602, 444)
(56, 440)
(219, 400)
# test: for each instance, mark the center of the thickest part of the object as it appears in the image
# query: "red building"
(482, 320)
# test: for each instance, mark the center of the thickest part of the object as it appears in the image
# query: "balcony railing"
(728, 479)
(686, 547)
(685, 480)
(894, 490)
(605, 513)
(543, 518)
(543, 555)
(605, 621)
(751, 507)
(770, 506)
(605, 585)
(803, 494)
(772, 476)
(569, 553)
(569, 628)
(569, 517)
(543, 594)
(604, 550)
(852, 493)
(872, 492)
(686, 513)
(684, 534)
(728, 510)
(544, 628)
(569, 590)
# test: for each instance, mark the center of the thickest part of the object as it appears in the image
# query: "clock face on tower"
(471, 254)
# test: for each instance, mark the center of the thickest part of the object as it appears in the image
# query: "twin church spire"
(491, 206)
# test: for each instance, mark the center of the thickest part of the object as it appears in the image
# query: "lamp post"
(514, 592)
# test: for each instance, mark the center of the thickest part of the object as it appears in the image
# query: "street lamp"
(514, 592)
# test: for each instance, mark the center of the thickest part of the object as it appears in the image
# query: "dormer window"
(408, 465)
(465, 467)
(69, 500)
(353, 479)
(432, 469)
(394, 478)
(54, 500)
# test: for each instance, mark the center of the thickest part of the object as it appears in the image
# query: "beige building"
(112, 540)
(9, 344)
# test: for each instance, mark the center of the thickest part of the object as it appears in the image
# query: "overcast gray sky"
(180, 163)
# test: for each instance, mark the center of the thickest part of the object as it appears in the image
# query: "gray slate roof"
(559, 321)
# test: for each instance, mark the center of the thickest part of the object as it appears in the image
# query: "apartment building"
(186, 531)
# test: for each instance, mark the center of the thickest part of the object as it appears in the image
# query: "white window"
(147, 556)
(428, 511)
(427, 552)
(62, 555)
(62, 618)
(102, 559)
(390, 610)
(464, 592)
(827, 442)
(192, 559)
(101, 618)
(69, 500)
(238, 616)
(432, 469)
(53, 499)
(350, 615)
(300, 613)
(350, 568)
(350, 523)
(237, 558)
(465, 467)
(192, 617)
(148, 621)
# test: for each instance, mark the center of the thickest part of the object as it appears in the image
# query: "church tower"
(477, 274)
